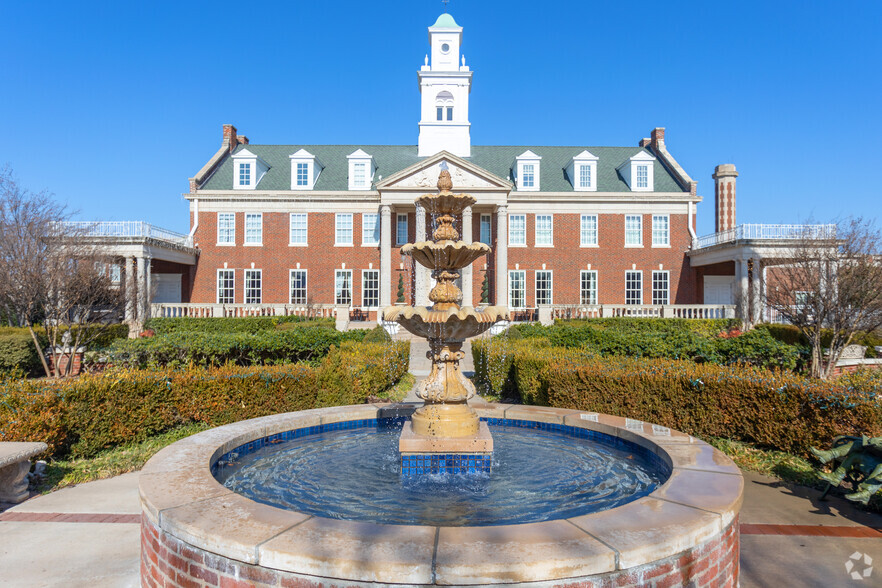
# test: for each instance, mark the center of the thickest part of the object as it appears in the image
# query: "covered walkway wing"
(155, 264)
(731, 266)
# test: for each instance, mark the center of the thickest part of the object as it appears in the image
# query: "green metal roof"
(446, 21)
(390, 159)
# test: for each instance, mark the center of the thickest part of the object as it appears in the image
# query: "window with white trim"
(642, 176)
(359, 175)
(343, 228)
(661, 230)
(253, 228)
(226, 286)
(588, 287)
(585, 176)
(400, 229)
(298, 288)
(661, 287)
(226, 228)
(633, 230)
(517, 289)
(544, 231)
(302, 174)
(544, 287)
(633, 287)
(517, 229)
(588, 230)
(370, 228)
(253, 286)
(343, 286)
(115, 273)
(370, 288)
(244, 174)
(528, 178)
(486, 230)
(298, 229)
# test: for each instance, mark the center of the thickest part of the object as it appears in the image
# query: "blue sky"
(112, 106)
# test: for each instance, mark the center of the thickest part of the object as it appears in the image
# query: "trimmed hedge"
(772, 408)
(17, 352)
(264, 347)
(251, 324)
(671, 339)
(93, 412)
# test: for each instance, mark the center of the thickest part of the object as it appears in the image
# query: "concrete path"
(788, 537)
(85, 535)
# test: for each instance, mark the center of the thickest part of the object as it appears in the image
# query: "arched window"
(444, 106)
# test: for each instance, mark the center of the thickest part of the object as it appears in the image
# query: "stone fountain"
(445, 424)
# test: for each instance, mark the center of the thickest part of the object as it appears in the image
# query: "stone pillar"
(139, 292)
(421, 274)
(129, 269)
(502, 255)
(467, 271)
(385, 258)
(742, 294)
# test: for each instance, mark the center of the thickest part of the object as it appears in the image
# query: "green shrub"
(212, 348)
(703, 327)
(85, 415)
(377, 335)
(758, 348)
(108, 336)
(773, 409)
(251, 324)
(17, 351)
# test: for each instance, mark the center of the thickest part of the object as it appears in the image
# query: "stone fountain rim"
(700, 499)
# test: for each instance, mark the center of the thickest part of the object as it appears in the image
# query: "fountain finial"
(445, 184)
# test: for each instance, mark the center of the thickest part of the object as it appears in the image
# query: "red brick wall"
(611, 259)
(168, 561)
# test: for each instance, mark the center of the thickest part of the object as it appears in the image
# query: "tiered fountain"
(445, 424)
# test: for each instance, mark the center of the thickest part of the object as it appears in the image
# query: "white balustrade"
(766, 232)
(125, 229)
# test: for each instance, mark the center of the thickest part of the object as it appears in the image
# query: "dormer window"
(582, 172)
(638, 170)
(244, 174)
(305, 170)
(527, 172)
(248, 170)
(361, 170)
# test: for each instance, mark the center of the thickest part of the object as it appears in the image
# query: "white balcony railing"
(766, 232)
(686, 311)
(127, 229)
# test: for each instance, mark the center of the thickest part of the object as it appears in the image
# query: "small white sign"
(634, 424)
(589, 416)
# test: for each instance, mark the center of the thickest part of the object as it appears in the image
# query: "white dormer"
(248, 170)
(361, 170)
(638, 172)
(527, 172)
(305, 170)
(582, 172)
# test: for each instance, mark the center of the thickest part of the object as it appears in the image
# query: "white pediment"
(585, 156)
(243, 153)
(424, 175)
(302, 154)
(358, 154)
(528, 155)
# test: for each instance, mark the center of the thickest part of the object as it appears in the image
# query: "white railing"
(127, 229)
(766, 232)
(685, 311)
(189, 310)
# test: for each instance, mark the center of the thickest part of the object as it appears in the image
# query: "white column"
(131, 293)
(141, 295)
(467, 271)
(502, 255)
(148, 287)
(385, 257)
(421, 274)
(742, 290)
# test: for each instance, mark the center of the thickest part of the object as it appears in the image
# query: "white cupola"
(445, 83)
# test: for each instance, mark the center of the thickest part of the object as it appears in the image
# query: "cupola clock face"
(445, 48)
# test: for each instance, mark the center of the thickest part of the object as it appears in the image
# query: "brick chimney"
(645, 142)
(231, 140)
(724, 196)
(657, 139)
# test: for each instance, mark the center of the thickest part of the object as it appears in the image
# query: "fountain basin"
(445, 254)
(451, 324)
(193, 527)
